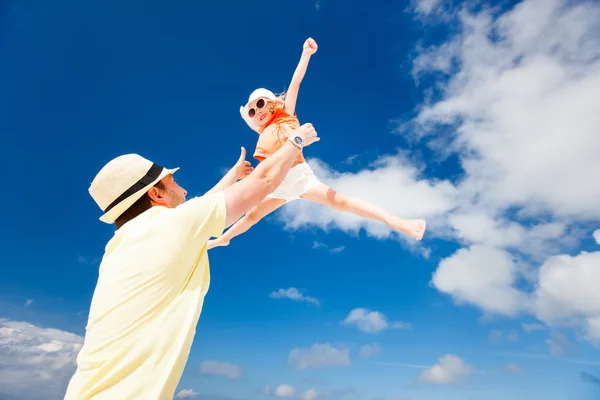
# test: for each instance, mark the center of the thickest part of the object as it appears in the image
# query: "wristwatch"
(297, 141)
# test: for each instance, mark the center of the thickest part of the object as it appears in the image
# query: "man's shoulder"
(191, 218)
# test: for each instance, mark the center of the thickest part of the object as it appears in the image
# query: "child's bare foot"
(412, 227)
(217, 243)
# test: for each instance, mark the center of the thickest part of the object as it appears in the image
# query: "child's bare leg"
(323, 194)
(257, 213)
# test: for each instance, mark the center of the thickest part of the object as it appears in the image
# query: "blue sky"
(429, 109)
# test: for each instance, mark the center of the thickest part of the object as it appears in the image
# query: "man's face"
(173, 194)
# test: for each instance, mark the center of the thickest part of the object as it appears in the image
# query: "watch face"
(298, 139)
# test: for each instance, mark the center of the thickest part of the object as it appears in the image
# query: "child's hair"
(280, 99)
(277, 110)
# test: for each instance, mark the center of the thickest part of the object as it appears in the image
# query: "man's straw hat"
(122, 181)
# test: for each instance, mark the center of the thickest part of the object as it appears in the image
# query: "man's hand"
(242, 167)
(310, 47)
(308, 133)
(240, 170)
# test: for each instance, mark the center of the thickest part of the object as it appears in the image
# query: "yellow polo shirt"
(150, 291)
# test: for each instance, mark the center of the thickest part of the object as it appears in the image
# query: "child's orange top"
(274, 135)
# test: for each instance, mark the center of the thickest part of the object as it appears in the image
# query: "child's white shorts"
(299, 180)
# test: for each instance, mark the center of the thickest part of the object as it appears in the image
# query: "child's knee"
(253, 216)
(340, 203)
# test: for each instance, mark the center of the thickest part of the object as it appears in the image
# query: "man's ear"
(156, 195)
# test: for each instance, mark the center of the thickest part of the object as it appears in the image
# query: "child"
(273, 118)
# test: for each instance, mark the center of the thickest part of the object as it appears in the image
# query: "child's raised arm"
(309, 48)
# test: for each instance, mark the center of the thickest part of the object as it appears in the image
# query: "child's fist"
(310, 46)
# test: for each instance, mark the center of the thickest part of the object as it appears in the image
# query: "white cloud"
(449, 369)
(426, 7)
(371, 321)
(310, 394)
(319, 356)
(567, 291)
(483, 276)
(528, 328)
(284, 391)
(217, 368)
(293, 294)
(186, 394)
(35, 360)
(366, 320)
(592, 325)
(28, 302)
(521, 102)
(483, 228)
(596, 235)
(289, 391)
(510, 107)
(370, 350)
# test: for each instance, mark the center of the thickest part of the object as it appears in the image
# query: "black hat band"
(151, 175)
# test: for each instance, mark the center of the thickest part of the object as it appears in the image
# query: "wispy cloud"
(319, 356)
(497, 336)
(392, 364)
(401, 325)
(28, 302)
(186, 394)
(426, 7)
(546, 357)
(447, 360)
(217, 368)
(559, 344)
(528, 328)
(293, 294)
(88, 261)
(319, 245)
(372, 321)
(513, 368)
(370, 350)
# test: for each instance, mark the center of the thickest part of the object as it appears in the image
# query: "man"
(155, 271)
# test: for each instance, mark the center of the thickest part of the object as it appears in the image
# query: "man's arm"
(291, 96)
(268, 175)
(240, 170)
